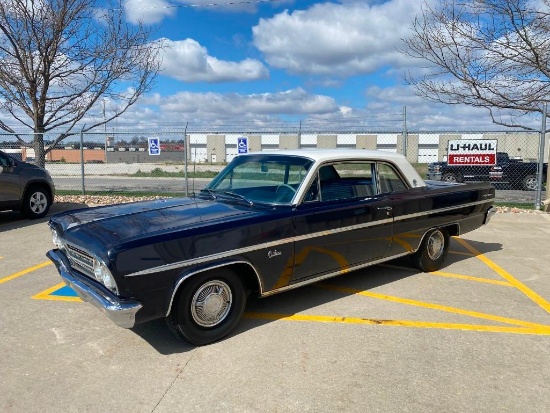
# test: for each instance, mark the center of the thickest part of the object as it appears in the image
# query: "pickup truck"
(507, 171)
(269, 222)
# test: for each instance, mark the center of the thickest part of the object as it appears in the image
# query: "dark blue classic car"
(269, 222)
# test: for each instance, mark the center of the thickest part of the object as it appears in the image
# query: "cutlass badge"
(273, 253)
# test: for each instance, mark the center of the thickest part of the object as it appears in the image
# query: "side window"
(346, 180)
(389, 179)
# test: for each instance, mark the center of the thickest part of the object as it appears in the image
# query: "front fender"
(190, 272)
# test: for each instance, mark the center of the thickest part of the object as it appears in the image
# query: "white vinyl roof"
(320, 156)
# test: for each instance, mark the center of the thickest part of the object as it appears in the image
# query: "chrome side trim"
(334, 274)
(225, 264)
(244, 250)
(437, 211)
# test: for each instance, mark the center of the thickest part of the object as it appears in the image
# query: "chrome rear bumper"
(121, 312)
(489, 214)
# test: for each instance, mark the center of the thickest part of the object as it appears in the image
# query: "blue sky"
(287, 60)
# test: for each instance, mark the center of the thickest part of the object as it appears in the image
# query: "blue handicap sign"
(154, 146)
(242, 145)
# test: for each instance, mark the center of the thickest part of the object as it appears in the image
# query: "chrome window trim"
(238, 251)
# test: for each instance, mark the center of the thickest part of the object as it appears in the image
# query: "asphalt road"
(474, 337)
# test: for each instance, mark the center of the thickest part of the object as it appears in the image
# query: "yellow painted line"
(28, 270)
(541, 302)
(433, 306)
(542, 330)
(470, 278)
(452, 275)
(45, 295)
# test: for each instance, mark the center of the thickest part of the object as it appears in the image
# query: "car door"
(342, 221)
(9, 182)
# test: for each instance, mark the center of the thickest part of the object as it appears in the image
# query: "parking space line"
(28, 270)
(452, 275)
(541, 302)
(540, 330)
(49, 294)
(433, 306)
(470, 278)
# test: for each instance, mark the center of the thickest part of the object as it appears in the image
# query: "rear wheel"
(530, 183)
(36, 203)
(433, 250)
(208, 307)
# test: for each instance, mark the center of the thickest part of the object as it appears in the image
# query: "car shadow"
(292, 302)
(10, 220)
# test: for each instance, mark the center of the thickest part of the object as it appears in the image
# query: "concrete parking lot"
(474, 336)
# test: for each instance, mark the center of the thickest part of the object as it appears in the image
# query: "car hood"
(108, 226)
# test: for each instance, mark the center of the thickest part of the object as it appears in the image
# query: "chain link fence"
(187, 158)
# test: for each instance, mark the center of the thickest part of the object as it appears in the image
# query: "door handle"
(388, 209)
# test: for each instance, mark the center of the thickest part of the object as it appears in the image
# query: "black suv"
(25, 187)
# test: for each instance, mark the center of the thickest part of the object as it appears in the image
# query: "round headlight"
(55, 239)
(98, 270)
(103, 275)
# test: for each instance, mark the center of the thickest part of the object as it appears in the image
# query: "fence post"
(538, 201)
(404, 133)
(186, 154)
(82, 158)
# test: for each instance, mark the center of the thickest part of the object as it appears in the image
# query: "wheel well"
(243, 269)
(40, 185)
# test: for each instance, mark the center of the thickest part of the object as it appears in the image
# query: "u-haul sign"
(472, 152)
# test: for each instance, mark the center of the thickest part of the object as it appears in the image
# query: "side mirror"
(11, 163)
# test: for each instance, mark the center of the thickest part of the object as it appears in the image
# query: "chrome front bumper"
(121, 312)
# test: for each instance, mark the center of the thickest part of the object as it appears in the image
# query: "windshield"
(262, 178)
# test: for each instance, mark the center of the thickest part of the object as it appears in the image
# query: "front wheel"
(432, 252)
(208, 307)
(36, 202)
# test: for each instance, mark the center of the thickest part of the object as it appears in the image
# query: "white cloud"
(206, 105)
(188, 61)
(337, 39)
(148, 11)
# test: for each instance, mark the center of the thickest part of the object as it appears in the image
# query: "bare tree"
(493, 54)
(59, 57)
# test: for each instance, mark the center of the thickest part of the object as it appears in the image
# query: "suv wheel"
(36, 203)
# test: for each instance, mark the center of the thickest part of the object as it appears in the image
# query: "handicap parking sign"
(242, 145)
(154, 146)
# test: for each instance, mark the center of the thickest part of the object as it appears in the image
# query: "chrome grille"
(80, 259)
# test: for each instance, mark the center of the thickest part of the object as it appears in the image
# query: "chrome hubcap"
(436, 245)
(211, 303)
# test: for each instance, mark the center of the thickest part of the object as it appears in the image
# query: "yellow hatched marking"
(541, 302)
(28, 270)
(452, 275)
(45, 295)
(433, 306)
(542, 330)
(470, 278)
